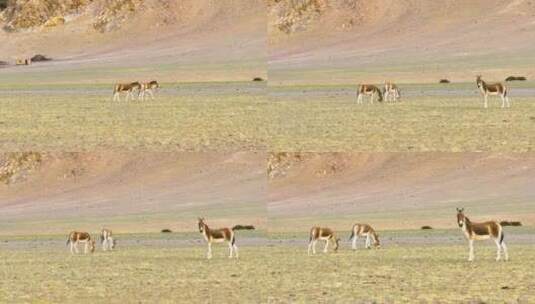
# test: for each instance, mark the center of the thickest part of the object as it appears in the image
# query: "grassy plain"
(238, 116)
(173, 269)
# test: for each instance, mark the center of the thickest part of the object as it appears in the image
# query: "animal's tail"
(502, 237)
(380, 95)
(233, 240)
(68, 240)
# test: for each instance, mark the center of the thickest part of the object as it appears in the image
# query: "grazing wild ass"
(106, 239)
(324, 234)
(125, 87)
(482, 231)
(149, 87)
(493, 89)
(218, 236)
(391, 92)
(364, 230)
(369, 90)
(76, 237)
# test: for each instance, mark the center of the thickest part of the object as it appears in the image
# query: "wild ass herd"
(141, 87)
(391, 92)
(472, 231)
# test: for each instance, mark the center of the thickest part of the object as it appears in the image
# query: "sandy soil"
(399, 190)
(408, 41)
(135, 192)
(200, 41)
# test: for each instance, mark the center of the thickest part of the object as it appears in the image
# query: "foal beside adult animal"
(482, 231)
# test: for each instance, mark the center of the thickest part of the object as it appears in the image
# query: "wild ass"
(218, 236)
(76, 237)
(149, 87)
(369, 90)
(482, 231)
(106, 239)
(125, 87)
(324, 234)
(493, 89)
(391, 92)
(364, 230)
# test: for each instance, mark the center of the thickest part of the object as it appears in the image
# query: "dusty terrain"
(351, 41)
(170, 41)
(133, 192)
(397, 190)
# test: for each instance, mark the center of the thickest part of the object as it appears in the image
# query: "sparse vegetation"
(263, 274)
(14, 165)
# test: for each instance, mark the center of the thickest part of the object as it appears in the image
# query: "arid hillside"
(188, 40)
(399, 190)
(133, 192)
(412, 41)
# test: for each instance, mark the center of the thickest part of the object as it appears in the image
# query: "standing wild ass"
(493, 89)
(482, 231)
(368, 90)
(125, 87)
(76, 237)
(391, 92)
(324, 234)
(106, 239)
(364, 230)
(218, 236)
(149, 87)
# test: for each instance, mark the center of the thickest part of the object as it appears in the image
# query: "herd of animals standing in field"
(391, 92)
(473, 231)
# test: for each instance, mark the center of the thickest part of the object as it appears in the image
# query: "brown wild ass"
(125, 87)
(218, 236)
(391, 92)
(149, 87)
(482, 231)
(364, 230)
(76, 237)
(106, 239)
(324, 234)
(369, 90)
(493, 89)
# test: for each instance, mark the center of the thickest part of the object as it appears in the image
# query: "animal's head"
(201, 224)
(460, 217)
(376, 242)
(479, 80)
(336, 244)
(92, 246)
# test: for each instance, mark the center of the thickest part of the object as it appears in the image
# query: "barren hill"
(412, 41)
(133, 192)
(187, 40)
(399, 190)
